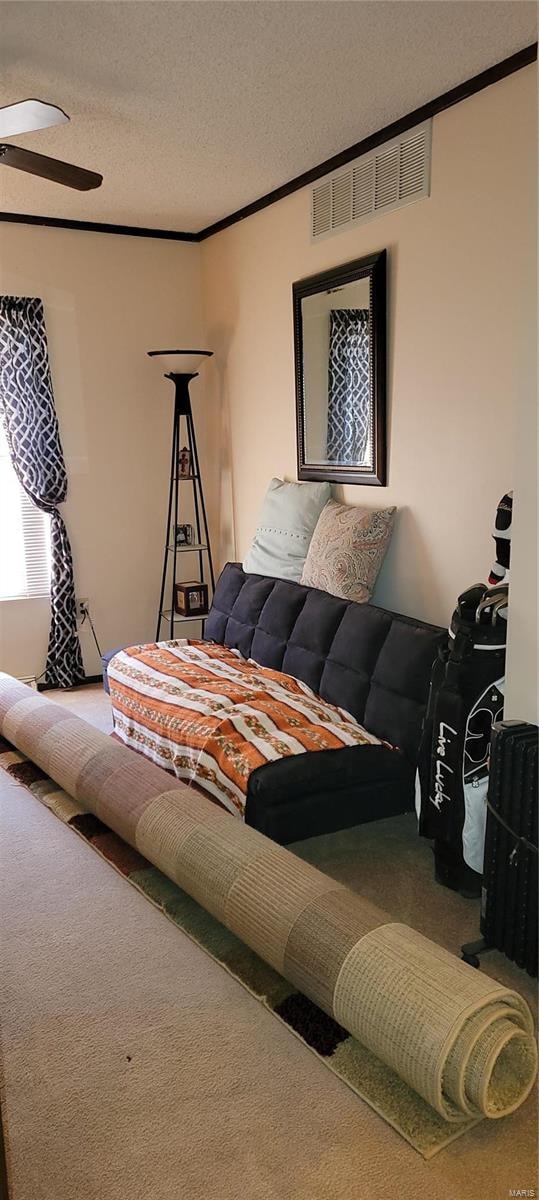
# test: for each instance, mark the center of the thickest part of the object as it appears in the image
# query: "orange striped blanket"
(210, 716)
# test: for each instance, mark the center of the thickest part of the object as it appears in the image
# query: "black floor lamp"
(189, 601)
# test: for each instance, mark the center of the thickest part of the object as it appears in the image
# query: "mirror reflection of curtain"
(348, 385)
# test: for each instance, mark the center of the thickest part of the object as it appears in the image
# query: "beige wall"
(107, 300)
(462, 325)
(522, 701)
(459, 297)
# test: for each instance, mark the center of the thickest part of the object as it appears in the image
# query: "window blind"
(25, 568)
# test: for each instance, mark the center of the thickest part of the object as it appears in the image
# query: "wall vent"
(392, 176)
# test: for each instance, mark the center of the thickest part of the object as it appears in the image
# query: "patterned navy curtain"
(348, 385)
(31, 426)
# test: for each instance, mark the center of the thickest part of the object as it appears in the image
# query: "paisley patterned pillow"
(347, 550)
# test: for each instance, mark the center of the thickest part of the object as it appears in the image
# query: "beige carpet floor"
(135, 1067)
(90, 703)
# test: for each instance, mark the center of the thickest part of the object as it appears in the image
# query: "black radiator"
(510, 904)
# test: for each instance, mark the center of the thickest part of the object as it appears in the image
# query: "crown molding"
(170, 235)
(463, 91)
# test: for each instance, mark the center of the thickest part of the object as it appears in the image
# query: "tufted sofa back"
(374, 663)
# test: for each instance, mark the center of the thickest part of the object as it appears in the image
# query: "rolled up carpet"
(462, 1041)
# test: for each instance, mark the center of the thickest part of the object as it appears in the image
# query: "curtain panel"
(348, 386)
(31, 427)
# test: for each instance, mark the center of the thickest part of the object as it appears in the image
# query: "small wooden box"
(191, 599)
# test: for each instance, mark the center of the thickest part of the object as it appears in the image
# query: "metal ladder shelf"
(202, 546)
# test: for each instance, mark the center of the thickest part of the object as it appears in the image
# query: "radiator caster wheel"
(471, 959)
(470, 952)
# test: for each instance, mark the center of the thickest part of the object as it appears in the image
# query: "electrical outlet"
(83, 607)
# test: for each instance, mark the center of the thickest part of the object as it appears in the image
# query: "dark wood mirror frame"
(373, 266)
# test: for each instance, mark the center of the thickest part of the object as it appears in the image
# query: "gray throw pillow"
(285, 527)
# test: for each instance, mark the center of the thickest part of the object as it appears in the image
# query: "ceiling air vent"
(392, 176)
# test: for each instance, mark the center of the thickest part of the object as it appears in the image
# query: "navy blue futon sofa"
(373, 663)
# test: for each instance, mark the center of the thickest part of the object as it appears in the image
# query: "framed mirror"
(340, 361)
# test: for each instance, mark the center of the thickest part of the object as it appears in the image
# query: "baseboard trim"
(51, 687)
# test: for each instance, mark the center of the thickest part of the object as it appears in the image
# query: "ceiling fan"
(26, 116)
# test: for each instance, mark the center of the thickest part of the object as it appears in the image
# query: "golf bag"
(466, 698)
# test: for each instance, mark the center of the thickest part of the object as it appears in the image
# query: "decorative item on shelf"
(181, 366)
(191, 599)
(184, 535)
(184, 463)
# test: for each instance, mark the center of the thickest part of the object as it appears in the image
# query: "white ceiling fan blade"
(28, 115)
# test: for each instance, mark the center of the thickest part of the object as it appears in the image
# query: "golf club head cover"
(502, 537)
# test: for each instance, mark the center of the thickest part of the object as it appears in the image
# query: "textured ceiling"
(191, 110)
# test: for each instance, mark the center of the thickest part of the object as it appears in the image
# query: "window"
(25, 566)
